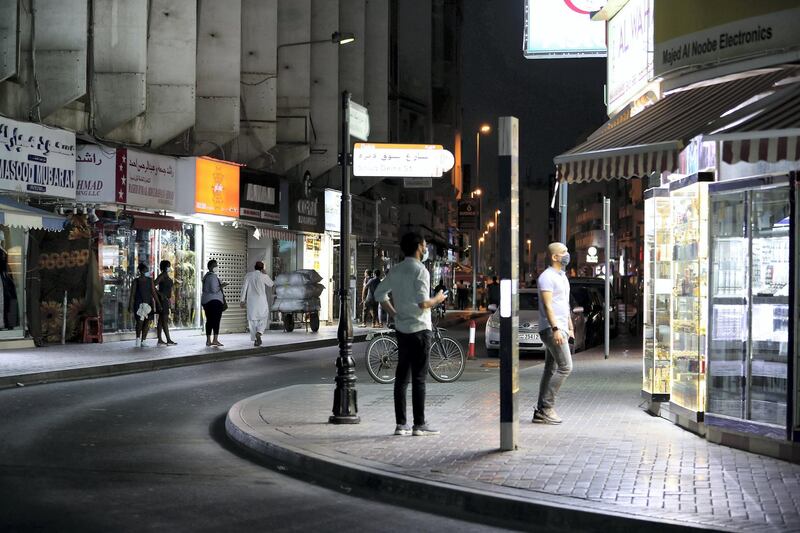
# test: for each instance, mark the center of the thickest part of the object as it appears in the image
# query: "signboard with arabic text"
(401, 160)
(36, 159)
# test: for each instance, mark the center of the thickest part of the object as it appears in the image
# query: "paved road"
(148, 452)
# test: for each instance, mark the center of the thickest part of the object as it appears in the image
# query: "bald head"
(557, 250)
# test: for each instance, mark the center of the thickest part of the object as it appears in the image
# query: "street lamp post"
(345, 405)
(530, 266)
(477, 192)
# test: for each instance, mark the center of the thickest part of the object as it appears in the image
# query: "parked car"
(589, 294)
(529, 340)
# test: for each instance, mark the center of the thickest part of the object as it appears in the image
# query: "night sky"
(558, 101)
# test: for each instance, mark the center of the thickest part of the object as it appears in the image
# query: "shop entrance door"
(228, 246)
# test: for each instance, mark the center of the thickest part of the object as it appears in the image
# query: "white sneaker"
(138, 343)
(142, 344)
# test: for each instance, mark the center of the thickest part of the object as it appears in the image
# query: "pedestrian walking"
(143, 303)
(409, 284)
(494, 292)
(555, 329)
(364, 304)
(254, 297)
(164, 285)
(441, 287)
(373, 304)
(214, 304)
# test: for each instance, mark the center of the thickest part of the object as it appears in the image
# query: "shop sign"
(563, 29)
(630, 52)
(259, 197)
(469, 214)
(124, 176)
(358, 121)
(690, 33)
(96, 174)
(36, 159)
(333, 204)
(401, 160)
(217, 187)
(306, 208)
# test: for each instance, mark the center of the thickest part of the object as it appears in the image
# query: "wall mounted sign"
(36, 159)
(259, 196)
(217, 187)
(401, 160)
(562, 29)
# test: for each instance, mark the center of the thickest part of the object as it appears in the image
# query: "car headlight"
(494, 321)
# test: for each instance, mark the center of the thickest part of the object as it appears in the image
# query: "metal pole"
(606, 312)
(507, 233)
(475, 251)
(345, 405)
(562, 191)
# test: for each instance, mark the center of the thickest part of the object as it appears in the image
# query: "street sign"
(401, 160)
(359, 121)
(417, 183)
(469, 214)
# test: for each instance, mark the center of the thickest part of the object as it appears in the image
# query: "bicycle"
(446, 358)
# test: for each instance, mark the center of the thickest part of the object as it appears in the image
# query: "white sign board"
(96, 174)
(401, 160)
(359, 121)
(151, 180)
(630, 52)
(563, 28)
(333, 217)
(36, 159)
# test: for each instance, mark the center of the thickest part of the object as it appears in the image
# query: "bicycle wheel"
(382, 359)
(446, 360)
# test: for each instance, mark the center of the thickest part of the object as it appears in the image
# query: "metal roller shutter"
(228, 245)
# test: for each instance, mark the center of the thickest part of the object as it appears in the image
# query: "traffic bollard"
(471, 354)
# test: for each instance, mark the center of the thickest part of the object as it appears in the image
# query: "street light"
(485, 129)
(336, 37)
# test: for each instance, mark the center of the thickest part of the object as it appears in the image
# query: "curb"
(133, 367)
(442, 495)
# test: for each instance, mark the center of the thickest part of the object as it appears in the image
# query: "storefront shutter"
(228, 245)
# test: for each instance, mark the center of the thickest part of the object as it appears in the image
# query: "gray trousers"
(557, 366)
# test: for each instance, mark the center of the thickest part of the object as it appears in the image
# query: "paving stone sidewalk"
(608, 456)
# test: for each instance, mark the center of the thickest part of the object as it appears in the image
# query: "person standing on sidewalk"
(409, 282)
(143, 303)
(164, 283)
(373, 303)
(254, 297)
(555, 329)
(213, 301)
(364, 304)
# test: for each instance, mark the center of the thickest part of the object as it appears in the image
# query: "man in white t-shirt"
(555, 328)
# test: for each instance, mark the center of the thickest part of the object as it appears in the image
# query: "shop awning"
(153, 221)
(15, 214)
(276, 233)
(652, 140)
(765, 130)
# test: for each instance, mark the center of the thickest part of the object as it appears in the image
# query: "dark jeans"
(413, 351)
(213, 311)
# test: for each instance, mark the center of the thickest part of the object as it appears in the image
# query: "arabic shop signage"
(36, 159)
(469, 214)
(259, 197)
(217, 187)
(306, 208)
(124, 176)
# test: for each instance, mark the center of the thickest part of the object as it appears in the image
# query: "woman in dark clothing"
(213, 301)
(164, 283)
(143, 303)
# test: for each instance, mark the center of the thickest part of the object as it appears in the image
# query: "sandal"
(217, 343)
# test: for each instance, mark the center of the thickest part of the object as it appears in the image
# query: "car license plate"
(529, 337)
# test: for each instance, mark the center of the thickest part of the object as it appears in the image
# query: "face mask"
(214, 270)
(425, 255)
(565, 259)
(145, 273)
(169, 269)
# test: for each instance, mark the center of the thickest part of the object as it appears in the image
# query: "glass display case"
(656, 364)
(689, 309)
(749, 330)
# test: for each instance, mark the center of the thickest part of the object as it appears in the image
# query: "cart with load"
(298, 298)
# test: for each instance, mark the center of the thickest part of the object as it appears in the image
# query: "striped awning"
(765, 130)
(15, 214)
(652, 140)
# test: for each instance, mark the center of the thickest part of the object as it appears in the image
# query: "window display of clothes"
(9, 318)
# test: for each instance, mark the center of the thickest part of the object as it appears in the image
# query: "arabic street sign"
(359, 121)
(401, 160)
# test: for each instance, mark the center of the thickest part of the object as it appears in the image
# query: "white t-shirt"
(555, 281)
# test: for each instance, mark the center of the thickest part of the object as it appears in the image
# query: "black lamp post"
(345, 405)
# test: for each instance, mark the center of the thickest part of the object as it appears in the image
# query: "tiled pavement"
(608, 456)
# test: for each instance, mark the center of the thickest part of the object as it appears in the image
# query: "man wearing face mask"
(555, 328)
(409, 282)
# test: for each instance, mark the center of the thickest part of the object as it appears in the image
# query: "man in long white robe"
(254, 296)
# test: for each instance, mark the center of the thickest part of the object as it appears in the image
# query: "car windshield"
(528, 301)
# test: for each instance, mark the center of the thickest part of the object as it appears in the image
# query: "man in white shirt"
(254, 296)
(410, 282)
(555, 328)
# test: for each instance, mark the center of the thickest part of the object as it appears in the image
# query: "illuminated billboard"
(563, 28)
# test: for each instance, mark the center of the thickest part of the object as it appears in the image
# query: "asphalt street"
(148, 452)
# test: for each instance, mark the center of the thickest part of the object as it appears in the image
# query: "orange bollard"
(471, 353)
